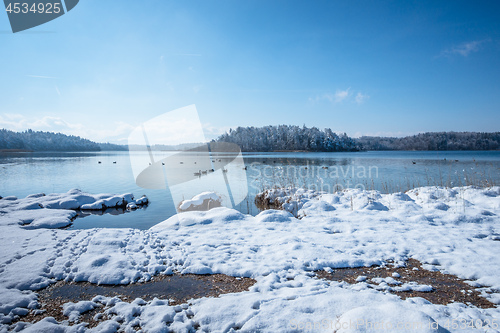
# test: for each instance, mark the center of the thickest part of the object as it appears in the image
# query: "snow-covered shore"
(456, 231)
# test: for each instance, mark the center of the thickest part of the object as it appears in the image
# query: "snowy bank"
(456, 231)
(59, 209)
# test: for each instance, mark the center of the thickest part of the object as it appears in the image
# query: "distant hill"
(47, 141)
(161, 147)
(44, 141)
(434, 141)
(111, 146)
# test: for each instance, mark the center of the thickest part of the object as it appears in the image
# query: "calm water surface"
(22, 174)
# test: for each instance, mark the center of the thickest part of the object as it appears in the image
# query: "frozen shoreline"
(456, 231)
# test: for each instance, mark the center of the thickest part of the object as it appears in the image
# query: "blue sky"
(361, 67)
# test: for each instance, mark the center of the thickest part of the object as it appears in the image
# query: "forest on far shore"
(295, 138)
(434, 141)
(47, 141)
(269, 138)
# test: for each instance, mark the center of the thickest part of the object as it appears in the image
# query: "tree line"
(295, 138)
(47, 141)
(434, 141)
(272, 138)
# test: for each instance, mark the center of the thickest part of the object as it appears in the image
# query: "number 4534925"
(40, 8)
(472, 324)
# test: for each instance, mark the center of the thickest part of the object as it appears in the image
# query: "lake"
(22, 174)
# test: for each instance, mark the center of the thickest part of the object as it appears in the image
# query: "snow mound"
(41, 218)
(273, 215)
(50, 325)
(220, 215)
(74, 310)
(199, 200)
(135, 204)
(13, 298)
(387, 318)
(112, 201)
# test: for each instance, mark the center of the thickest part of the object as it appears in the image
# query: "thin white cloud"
(314, 100)
(42, 77)
(188, 54)
(465, 48)
(361, 98)
(197, 88)
(213, 132)
(341, 95)
(17, 122)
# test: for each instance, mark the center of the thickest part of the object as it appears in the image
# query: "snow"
(73, 310)
(58, 210)
(387, 318)
(361, 278)
(347, 229)
(273, 215)
(198, 200)
(50, 325)
(135, 204)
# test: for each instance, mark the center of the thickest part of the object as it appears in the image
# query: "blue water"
(22, 174)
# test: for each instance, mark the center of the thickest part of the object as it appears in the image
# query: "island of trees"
(288, 138)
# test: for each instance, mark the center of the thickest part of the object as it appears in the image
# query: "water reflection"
(86, 219)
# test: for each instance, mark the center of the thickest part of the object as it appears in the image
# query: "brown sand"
(447, 288)
(176, 288)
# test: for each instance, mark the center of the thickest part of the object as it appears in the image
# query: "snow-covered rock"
(202, 201)
(59, 209)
